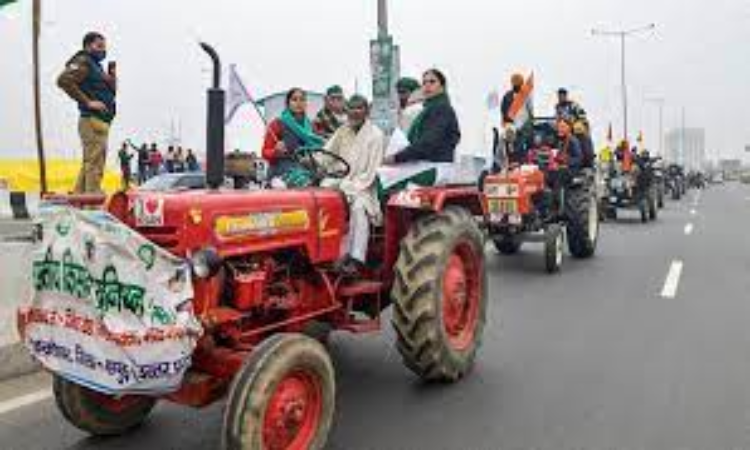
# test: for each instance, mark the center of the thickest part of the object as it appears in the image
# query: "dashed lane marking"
(689, 229)
(24, 400)
(672, 283)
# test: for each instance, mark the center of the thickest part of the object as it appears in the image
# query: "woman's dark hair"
(291, 93)
(439, 75)
(91, 37)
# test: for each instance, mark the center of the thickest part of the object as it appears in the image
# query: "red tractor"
(540, 200)
(267, 294)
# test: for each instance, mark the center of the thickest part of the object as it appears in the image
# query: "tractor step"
(360, 288)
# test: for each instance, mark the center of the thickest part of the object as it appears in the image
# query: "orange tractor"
(266, 293)
(539, 199)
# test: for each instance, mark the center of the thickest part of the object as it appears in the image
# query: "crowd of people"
(150, 162)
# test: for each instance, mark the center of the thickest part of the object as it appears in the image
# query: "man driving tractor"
(361, 144)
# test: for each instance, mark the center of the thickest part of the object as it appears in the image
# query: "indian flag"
(522, 107)
(6, 2)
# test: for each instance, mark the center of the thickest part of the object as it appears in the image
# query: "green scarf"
(416, 129)
(302, 129)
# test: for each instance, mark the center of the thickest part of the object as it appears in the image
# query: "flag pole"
(37, 15)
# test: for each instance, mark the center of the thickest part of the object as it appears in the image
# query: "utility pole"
(683, 154)
(36, 30)
(622, 35)
(385, 66)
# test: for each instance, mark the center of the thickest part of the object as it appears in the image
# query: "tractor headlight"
(205, 263)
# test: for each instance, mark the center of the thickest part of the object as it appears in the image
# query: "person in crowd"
(94, 89)
(332, 115)
(287, 135)
(179, 161)
(410, 102)
(143, 163)
(169, 159)
(125, 157)
(155, 161)
(192, 162)
(570, 153)
(435, 133)
(362, 145)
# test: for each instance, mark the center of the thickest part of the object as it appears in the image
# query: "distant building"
(731, 168)
(686, 147)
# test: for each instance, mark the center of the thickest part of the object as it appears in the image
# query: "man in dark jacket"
(94, 90)
(516, 82)
(435, 133)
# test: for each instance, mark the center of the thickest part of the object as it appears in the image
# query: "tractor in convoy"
(267, 294)
(540, 200)
(636, 188)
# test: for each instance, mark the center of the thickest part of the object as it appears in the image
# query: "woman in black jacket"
(435, 133)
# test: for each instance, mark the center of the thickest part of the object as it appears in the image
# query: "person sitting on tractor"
(287, 135)
(332, 115)
(570, 154)
(435, 133)
(521, 138)
(572, 112)
(362, 145)
(410, 102)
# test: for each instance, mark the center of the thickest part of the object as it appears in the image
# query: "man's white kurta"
(364, 151)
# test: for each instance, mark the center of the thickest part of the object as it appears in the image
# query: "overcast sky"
(697, 59)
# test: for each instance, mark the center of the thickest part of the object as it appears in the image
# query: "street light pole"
(36, 30)
(382, 18)
(622, 35)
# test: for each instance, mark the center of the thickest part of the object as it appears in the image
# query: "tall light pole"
(382, 18)
(622, 35)
(36, 30)
(659, 101)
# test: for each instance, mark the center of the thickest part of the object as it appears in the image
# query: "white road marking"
(689, 229)
(673, 280)
(693, 212)
(24, 400)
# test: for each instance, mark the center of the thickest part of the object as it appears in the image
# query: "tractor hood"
(238, 222)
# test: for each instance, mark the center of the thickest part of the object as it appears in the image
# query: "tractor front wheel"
(100, 414)
(282, 398)
(440, 295)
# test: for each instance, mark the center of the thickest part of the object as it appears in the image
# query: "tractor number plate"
(503, 206)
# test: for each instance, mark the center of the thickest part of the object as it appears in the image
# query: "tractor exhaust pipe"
(215, 126)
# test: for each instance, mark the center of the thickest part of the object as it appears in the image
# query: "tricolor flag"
(6, 2)
(522, 108)
(237, 94)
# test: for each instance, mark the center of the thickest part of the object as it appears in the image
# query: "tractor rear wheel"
(282, 398)
(439, 294)
(507, 245)
(653, 209)
(100, 414)
(643, 208)
(582, 228)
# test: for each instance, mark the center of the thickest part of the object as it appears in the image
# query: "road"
(610, 354)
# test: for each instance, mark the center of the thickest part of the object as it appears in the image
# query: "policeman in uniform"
(93, 89)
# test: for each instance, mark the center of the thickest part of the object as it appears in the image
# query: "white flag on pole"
(237, 94)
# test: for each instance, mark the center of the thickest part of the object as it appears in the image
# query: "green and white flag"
(6, 2)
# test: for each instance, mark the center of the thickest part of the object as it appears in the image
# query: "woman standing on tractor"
(286, 135)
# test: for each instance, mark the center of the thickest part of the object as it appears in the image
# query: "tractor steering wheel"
(321, 163)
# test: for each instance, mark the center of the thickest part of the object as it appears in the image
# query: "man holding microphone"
(93, 89)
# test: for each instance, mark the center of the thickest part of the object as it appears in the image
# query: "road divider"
(672, 282)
